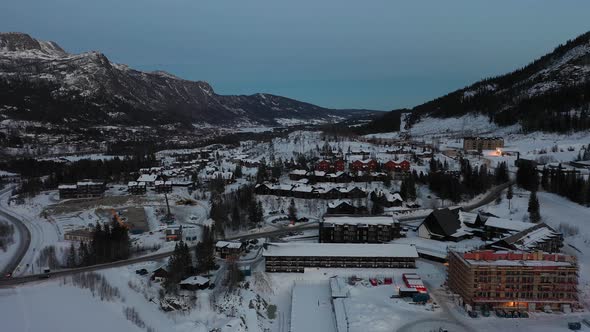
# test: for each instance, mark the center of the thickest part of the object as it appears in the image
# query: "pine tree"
(72, 259)
(533, 209)
(509, 196)
(292, 211)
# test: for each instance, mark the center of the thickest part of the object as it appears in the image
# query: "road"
(488, 198)
(23, 233)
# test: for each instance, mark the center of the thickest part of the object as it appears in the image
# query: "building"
(82, 189)
(136, 188)
(148, 179)
(67, 191)
(161, 273)
(514, 280)
(229, 248)
(449, 225)
(194, 283)
(539, 237)
(482, 143)
(163, 186)
(295, 257)
(80, 235)
(358, 229)
(393, 166)
(173, 232)
(345, 207)
(364, 165)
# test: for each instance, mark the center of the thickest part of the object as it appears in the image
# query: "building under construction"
(514, 280)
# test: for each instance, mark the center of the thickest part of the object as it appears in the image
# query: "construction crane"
(118, 219)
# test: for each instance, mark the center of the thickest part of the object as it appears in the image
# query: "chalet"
(447, 225)
(80, 235)
(161, 273)
(136, 188)
(393, 166)
(345, 207)
(355, 192)
(393, 200)
(297, 174)
(339, 177)
(229, 248)
(163, 186)
(358, 229)
(323, 165)
(263, 189)
(364, 165)
(194, 283)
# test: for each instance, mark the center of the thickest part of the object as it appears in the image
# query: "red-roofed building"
(364, 165)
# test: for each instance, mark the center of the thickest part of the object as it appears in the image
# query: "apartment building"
(514, 280)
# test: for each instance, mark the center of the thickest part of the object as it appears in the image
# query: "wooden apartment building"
(514, 280)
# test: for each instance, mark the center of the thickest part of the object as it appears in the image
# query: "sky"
(373, 54)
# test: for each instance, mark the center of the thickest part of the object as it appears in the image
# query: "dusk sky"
(375, 54)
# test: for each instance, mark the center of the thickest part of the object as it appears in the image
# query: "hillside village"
(356, 232)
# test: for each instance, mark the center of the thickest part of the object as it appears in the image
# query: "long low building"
(295, 257)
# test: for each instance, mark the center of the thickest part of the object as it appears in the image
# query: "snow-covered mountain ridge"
(42, 82)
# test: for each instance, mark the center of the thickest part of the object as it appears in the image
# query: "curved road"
(23, 233)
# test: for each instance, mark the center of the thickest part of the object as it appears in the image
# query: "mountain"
(39, 81)
(551, 93)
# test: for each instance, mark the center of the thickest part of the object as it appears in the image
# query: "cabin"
(364, 165)
(393, 166)
(194, 283)
(343, 207)
(229, 248)
(160, 274)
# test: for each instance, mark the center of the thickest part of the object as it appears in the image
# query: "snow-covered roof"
(195, 281)
(467, 217)
(67, 186)
(131, 184)
(298, 172)
(339, 202)
(507, 224)
(356, 220)
(147, 178)
(340, 250)
(228, 244)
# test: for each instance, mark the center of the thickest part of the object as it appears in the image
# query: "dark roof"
(443, 222)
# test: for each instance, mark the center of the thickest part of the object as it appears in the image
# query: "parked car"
(574, 326)
(485, 313)
(524, 314)
(472, 314)
(141, 272)
(211, 285)
(8, 275)
(500, 313)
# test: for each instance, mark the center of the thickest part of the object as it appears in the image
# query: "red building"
(364, 165)
(392, 166)
(323, 165)
(327, 166)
